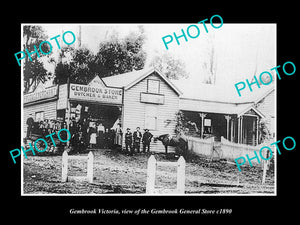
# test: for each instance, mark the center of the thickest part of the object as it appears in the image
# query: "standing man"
(30, 123)
(137, 136)
(146, 140)
(128, 140)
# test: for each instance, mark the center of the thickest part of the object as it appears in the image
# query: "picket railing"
(224, 149)
(201, 146)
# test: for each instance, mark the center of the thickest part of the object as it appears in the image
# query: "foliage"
(170, 66)
(120, 56)
(264, 132)
(78, 66)
(210, 63)
(34, 70)
(181, 122)
(115, 56)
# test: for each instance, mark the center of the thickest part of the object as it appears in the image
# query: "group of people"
(133, 140)
(86, 133)
(44, 127)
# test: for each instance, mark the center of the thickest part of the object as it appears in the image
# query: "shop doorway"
(97, 122)
(105, 114)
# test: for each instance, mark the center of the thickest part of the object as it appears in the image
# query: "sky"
(240, 49)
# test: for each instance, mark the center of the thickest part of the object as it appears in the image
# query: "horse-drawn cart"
(39, 146)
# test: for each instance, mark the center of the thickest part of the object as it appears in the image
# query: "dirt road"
(118, 173)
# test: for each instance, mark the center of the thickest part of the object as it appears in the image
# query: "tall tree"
(122, 55)
(34, 70)
(115, 56)
(210, 66)
(77, 66)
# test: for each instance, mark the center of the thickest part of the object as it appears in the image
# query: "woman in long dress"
(118, 136)
(93, 136)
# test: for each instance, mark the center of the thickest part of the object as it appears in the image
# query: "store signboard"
(152, 98)
(96, 93)
(62, 102)
(40, 94)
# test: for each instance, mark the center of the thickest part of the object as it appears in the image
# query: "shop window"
(207, 126)
(151, 117)
(153, 86)
(39, 116)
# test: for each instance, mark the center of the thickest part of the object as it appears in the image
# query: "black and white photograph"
(149, 109)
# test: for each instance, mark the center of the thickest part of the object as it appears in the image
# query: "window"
(151, 117)
(39, 116)
(207, 122)
(207, 126)
(153, 86)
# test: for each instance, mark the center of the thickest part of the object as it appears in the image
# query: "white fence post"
(181, 175)
(151, 170)
(64, 167)
(90, 163)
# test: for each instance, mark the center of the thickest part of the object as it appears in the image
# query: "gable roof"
(251, 107)
(96, 81)
(127, 80)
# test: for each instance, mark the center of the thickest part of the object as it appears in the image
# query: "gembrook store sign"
(96, 94)
(41, 94)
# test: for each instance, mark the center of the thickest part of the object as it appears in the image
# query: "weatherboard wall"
(134, 111)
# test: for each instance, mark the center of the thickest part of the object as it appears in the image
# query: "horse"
(178, 141)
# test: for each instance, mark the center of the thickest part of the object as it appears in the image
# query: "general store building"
(147, 99)
(144, 98)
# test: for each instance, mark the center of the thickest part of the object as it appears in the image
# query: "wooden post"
(151, 169)
(69, 115)
(238, 130)
(264, 172)
(64, 167)
(90, 163)
(242, 130)
(181, 175)
(202, 115)
(265, 166)
(257, 130)
(227, 117)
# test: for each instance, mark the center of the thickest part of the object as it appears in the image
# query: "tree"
(263, 130)
(115, 56)
(118, 56)
(78, 66)
(170, 66)
(34, 70)
(211, 65)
